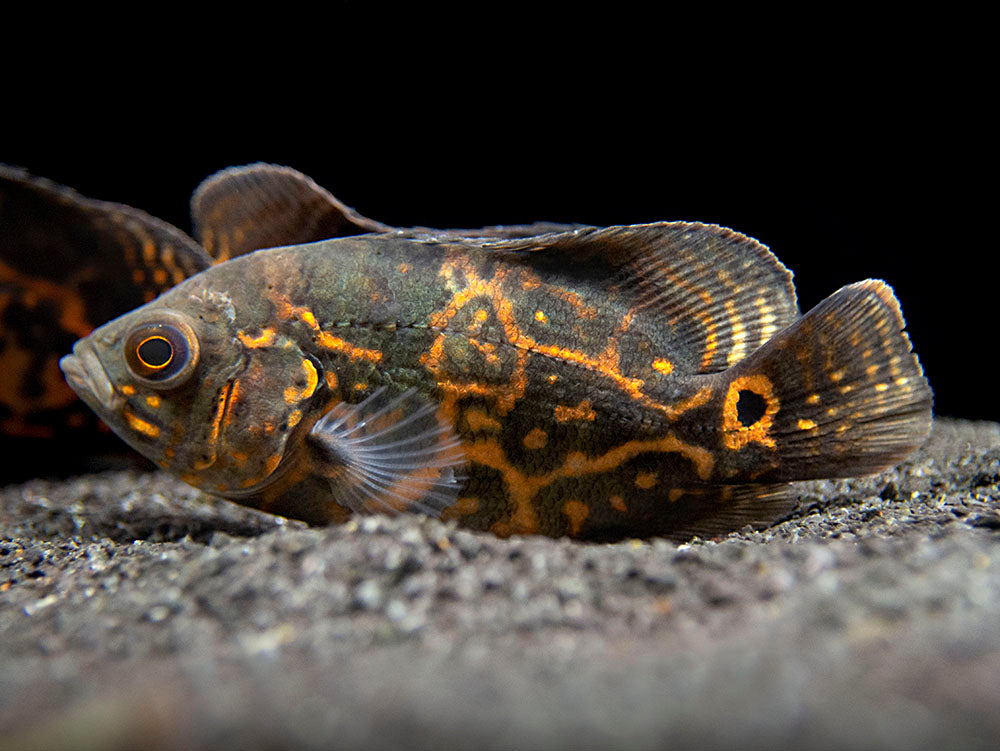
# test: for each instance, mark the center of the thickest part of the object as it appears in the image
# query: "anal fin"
(714, 511)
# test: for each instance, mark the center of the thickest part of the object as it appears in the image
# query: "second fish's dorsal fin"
(242, 209)
(724, 293)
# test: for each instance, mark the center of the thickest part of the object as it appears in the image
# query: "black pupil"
(750, 407)
(155, 352)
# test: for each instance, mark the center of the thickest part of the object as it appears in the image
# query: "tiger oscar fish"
(632, 381)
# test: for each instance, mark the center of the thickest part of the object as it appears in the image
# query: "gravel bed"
(135, 611)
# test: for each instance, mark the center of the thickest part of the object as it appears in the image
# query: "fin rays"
(389, 454)
(723, 293)
(853, 397)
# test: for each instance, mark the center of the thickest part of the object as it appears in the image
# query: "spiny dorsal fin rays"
(724, 293)
(242, 209)
(389, 453)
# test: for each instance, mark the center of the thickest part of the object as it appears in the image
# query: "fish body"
(595, 383)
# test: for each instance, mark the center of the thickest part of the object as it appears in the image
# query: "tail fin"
(838, 393)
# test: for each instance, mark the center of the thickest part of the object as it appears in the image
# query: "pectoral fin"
(390, 453)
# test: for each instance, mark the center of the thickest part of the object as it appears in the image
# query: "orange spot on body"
(478, 421)
(646, 480)
(618, 503)
(577, 513)
(488, 349)
(663, 366)
(582, 411)
(536, 439)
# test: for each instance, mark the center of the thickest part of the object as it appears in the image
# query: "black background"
(840, 190)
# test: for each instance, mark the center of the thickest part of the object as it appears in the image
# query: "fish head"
(182, 382)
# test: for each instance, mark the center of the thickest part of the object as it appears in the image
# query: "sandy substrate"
(136, 613)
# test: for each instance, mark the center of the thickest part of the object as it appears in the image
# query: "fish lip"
(86, 375)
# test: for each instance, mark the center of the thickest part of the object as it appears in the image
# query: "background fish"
(599, 383)
(69, 263)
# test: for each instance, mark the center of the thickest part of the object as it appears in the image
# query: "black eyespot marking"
(162, 353)
(750, 407)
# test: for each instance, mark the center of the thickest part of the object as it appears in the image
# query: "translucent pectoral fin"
(390, 453)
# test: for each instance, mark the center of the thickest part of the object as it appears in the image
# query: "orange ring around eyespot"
(149, 339)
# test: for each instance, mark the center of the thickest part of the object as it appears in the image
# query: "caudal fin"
(839, 393)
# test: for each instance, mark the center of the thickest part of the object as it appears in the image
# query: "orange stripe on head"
(139, 425)
(293, 394)
(264, 339)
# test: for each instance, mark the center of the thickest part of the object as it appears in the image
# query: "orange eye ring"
(155, 352)
(162, 353)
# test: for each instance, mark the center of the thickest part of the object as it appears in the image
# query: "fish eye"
(162, 353)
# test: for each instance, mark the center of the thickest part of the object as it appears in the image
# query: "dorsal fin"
(724, 293)
(68, 263)
(57, 230)
(242, 209)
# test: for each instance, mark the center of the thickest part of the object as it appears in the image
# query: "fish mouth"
(86, 375)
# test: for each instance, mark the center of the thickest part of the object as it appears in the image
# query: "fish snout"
(86, 375)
